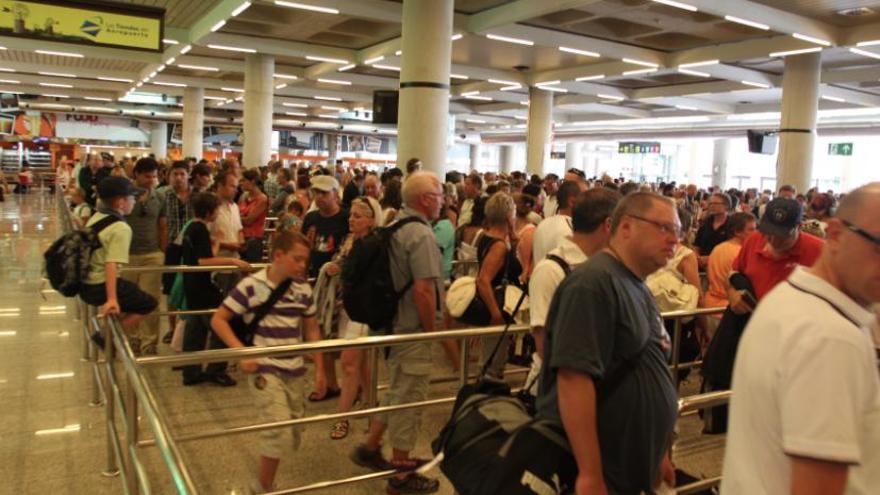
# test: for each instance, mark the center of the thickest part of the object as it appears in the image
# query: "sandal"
(339, 430)
(329, 394)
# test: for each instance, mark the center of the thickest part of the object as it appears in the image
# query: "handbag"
(245, 331)
(465, 304)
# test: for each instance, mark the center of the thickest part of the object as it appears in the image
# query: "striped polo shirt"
(281, 326)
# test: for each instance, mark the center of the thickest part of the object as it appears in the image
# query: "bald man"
(805, 413)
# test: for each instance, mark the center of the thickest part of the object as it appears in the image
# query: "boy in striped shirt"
(276, 383)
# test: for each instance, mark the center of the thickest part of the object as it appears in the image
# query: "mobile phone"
(749, 298)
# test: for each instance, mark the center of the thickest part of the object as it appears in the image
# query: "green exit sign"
(638, 147)
(840, 149)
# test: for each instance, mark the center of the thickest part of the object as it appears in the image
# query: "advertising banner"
(84, 23)
(35, 124)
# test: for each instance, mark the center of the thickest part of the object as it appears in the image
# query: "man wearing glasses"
(149, 238)
(805, 413)
(714, 230)
(604, 376)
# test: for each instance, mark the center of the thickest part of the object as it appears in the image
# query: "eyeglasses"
(666, 228)
(864, 234)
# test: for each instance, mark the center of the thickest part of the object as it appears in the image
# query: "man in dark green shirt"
(604, 376)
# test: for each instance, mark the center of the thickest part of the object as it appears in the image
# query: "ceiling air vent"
(856, 12)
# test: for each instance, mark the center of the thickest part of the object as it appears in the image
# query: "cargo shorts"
(277, 398)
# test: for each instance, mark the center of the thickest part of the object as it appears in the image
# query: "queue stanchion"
(110, 407)
(84, 319)
(465, 359)
(373, 392)
(131, 422)
(92, 349)
(676, 350)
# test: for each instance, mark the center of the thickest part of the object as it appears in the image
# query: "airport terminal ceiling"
(700, 61)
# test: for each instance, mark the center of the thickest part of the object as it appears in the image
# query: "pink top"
(258, 227)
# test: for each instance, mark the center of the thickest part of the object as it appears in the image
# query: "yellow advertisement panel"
(82, 23)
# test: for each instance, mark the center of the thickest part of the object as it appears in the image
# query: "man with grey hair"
(415, 258)
(604, 376)
(805, 411)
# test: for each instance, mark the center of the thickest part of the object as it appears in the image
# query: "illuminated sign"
(638, 147)
(91, 24)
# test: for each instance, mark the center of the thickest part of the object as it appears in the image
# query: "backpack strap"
(103, 223)
(392, 229)
(566, 268)
(263, 309)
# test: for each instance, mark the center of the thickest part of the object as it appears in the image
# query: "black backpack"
(67, 259)
(368, 293)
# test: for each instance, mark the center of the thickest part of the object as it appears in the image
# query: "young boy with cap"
(103, 287)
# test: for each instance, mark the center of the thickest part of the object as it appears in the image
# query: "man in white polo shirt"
(805, 412)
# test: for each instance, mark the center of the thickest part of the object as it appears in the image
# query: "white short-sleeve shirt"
(546, 277)
(549, 234)
(227, 226)
(805, 384)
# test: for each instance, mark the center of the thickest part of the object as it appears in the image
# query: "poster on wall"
(87, 126)
(128, 26)
(35, 124)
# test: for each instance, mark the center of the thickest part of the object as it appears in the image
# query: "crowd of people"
(599, 257)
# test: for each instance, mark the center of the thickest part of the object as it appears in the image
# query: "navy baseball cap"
(113, 187)
(781, 218)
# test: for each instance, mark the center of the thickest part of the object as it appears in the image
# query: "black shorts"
(131, 298)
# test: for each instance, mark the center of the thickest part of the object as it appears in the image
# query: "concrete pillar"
(505, 158)
(573, 156)
(424, 83)
(159, 139)
(258, 90)
(720, 153)
(332, 148)
(539, 130)
(193, 121)
(475, 150)
(797, 129)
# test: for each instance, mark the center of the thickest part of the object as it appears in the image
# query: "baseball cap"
(112, 187)
(781, 218)
(324, 183)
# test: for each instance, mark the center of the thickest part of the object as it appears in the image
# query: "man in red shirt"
(770, 255)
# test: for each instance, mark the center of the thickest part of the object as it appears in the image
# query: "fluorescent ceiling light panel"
(456, 37)
(347, 67)
(590, 78)
(685, 107)
(503, 82)
(53, 376)
(170, 61)
(316, 58)
(231, 49)
(216, 27)
(186, 49)
(746, 22)
(517, 41)
(756, 84)
(698, 64)
(398, 53)
(47, 105)
(286, 76)
(386, 67)
(576, 51)
(511, 87)
(338, 109)
(97, 98)
(306, 6)
(241, 8)
(169, 41)
(374, 60)
(281, 86)
(328, 116)
(811, 39)
(60, 54)
(327, 98)
(475, 121)
(57, 74)
(9, 81)
(296, 105)
(4, 69)
(458, 76)
(610, 97)
(868, 43)
(639, 62)
(220, 98)
(796, 52)
(173, 84)
(678, 5)
(54, 85)
(557, 81)
(52, 431)
(553, 88)
(234, 90)
(694, 73)
(476, 97)
(470, 93)
(296, 114)
(639, 71)
(334, 81)
(199, 67)
(834, 98)
(865, 53)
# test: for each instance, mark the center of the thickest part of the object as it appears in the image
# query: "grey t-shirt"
(414, 255)
(144, 222)
(601, 318)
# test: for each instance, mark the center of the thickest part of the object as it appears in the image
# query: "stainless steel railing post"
(373, 356)
(92, 350)
(465, 359)
(676, 350)
(110, 407)
(84, 318)
(131, 411)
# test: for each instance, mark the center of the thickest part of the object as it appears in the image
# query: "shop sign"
(638, 147)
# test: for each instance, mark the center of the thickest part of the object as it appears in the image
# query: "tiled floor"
(53, 442)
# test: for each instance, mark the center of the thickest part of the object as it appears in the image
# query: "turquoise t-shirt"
(445, 234)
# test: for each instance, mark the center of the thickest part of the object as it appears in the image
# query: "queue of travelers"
(600, 258)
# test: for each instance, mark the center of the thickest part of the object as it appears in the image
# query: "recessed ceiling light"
(170, 61)
(295, 105)
(116, 79)
(199, 67)
(746, 22)
(220, 98)
(796, 52)
(234, 90)
(285, 76)
(54, 85)
(678, 5)
(503, 82)
(60, 54)
(639, 62)
(470, 93)
(241, 8)
(475, 121)
(231, 48)
(327, 98)
(4, 69)
(398, 53)
(305, 6)
(57, 74)
(386, 67)
(865, 53)
(173, 84)
(511, 87)
(590, 78)
(518, 41)
(334, 81)
(694, 73)
(698, 64)
(374, 60)
(54, 96)
(476, 97)
(347, 67)
(585, 53)
(97, 98)
(685, 107)
(316, 58)
(756, 84)
(328, 116)
(338, 109)
(296, 114)
(811, 39)
(552, 88)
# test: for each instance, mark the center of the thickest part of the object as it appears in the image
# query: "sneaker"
(413, 483)
(370, 459)
(410, 464)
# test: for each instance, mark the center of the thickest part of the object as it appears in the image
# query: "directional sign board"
(840, 149)
(638, 147)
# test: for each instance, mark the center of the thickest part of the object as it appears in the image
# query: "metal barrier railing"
(123, 450)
